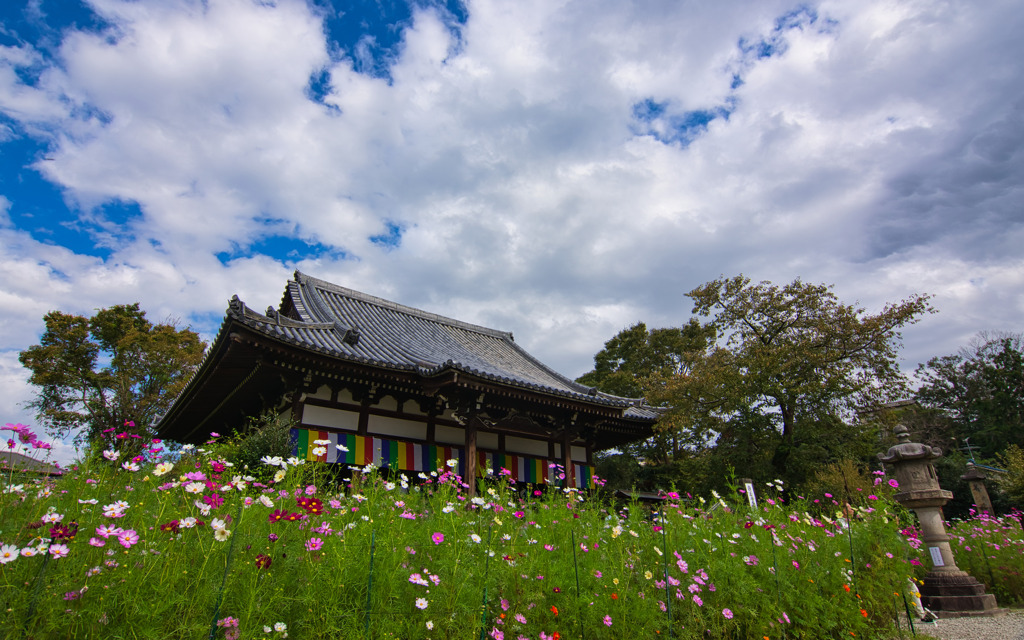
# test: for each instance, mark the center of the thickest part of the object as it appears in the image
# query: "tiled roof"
(357, 327)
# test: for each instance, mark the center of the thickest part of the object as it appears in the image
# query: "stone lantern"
(947, 590)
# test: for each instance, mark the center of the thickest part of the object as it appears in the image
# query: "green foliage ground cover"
(382, 556)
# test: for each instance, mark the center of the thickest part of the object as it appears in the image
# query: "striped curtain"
(409, 456)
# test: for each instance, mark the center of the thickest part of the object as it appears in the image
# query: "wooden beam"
(570, 480)
(470, 453)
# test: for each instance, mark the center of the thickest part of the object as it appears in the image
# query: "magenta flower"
(128, 538)
(727, 613)
(437, 537)
(894, 484)
(96, 542)
(607, 621)
(59, 550)
(314, 544)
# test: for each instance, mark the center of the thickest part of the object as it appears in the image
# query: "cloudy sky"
(557, 168)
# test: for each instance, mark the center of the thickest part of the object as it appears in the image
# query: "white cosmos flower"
(163, 468)
(319, 451)
(130, 466)
(220, 535)
(266, 502)
(8, 553)
(274, 461)
(111, 454)
(195, 487)
(475, 538)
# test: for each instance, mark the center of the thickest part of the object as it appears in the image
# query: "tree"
(101, 372)
(981, 390)
(634, 354)
(787, 357)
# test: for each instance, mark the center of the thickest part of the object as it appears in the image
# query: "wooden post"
(570, 480)
(470, 453)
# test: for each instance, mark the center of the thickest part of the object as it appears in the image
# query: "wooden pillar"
(570, 480)
(470, 453)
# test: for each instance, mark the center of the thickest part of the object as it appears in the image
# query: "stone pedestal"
(947, 591)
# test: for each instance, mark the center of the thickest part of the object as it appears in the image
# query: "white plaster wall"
(325, 417)
(382, 425)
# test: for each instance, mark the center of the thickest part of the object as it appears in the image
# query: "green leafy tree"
(787, 357)
(980, 390)
(626, 364)
(637, 353)
(101, 372)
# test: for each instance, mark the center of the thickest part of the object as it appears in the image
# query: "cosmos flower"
(59, 550)
(421, 603)
(437, 537)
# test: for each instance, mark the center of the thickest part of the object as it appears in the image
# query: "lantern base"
(955, 595)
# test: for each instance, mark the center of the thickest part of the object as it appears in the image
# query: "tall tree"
(981, 390)
(101, 372)
(788, 355)
(636, 353)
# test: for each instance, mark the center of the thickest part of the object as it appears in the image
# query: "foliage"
(845, 478)
(636, 353)
(266, 435)
(1011, 483)
(980, 390)
(105, 371)
(375, 559)
(788, 357)
(992, 550)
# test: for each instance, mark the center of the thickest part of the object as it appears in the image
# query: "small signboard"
(936, 556)
(751, 498)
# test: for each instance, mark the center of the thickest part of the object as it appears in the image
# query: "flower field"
(189, 546)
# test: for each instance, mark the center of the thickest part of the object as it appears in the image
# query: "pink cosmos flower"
(607, 621)
(96, 542)
(128, 538)
(437, 537)
(314, 544)
(727, 613)
(59, 550)
(106, 531)
(894, 484)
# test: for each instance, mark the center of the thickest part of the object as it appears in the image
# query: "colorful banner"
(410, 456)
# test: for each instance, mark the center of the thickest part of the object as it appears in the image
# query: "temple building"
(400, 388)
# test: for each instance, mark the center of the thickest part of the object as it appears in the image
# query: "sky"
(560, 169)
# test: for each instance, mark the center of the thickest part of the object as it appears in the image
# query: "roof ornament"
(272, 313)
(351, 336)
(236, 305)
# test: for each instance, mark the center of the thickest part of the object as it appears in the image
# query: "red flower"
(554, 610)
(615, 596)
(170, 527)
(277, 514)
(263, 561)
(864, 613)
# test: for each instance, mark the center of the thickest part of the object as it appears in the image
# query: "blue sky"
(557, 169)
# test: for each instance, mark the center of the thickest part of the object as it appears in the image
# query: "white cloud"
(877, 149)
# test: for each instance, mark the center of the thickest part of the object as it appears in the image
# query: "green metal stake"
(668, 595)
(369, 584)
(483, 605)
(576, 568)
(224, 580)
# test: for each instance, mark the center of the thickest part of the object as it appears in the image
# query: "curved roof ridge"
(303, 278)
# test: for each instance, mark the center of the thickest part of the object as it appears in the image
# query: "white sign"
(936, 556)
(751, 498)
